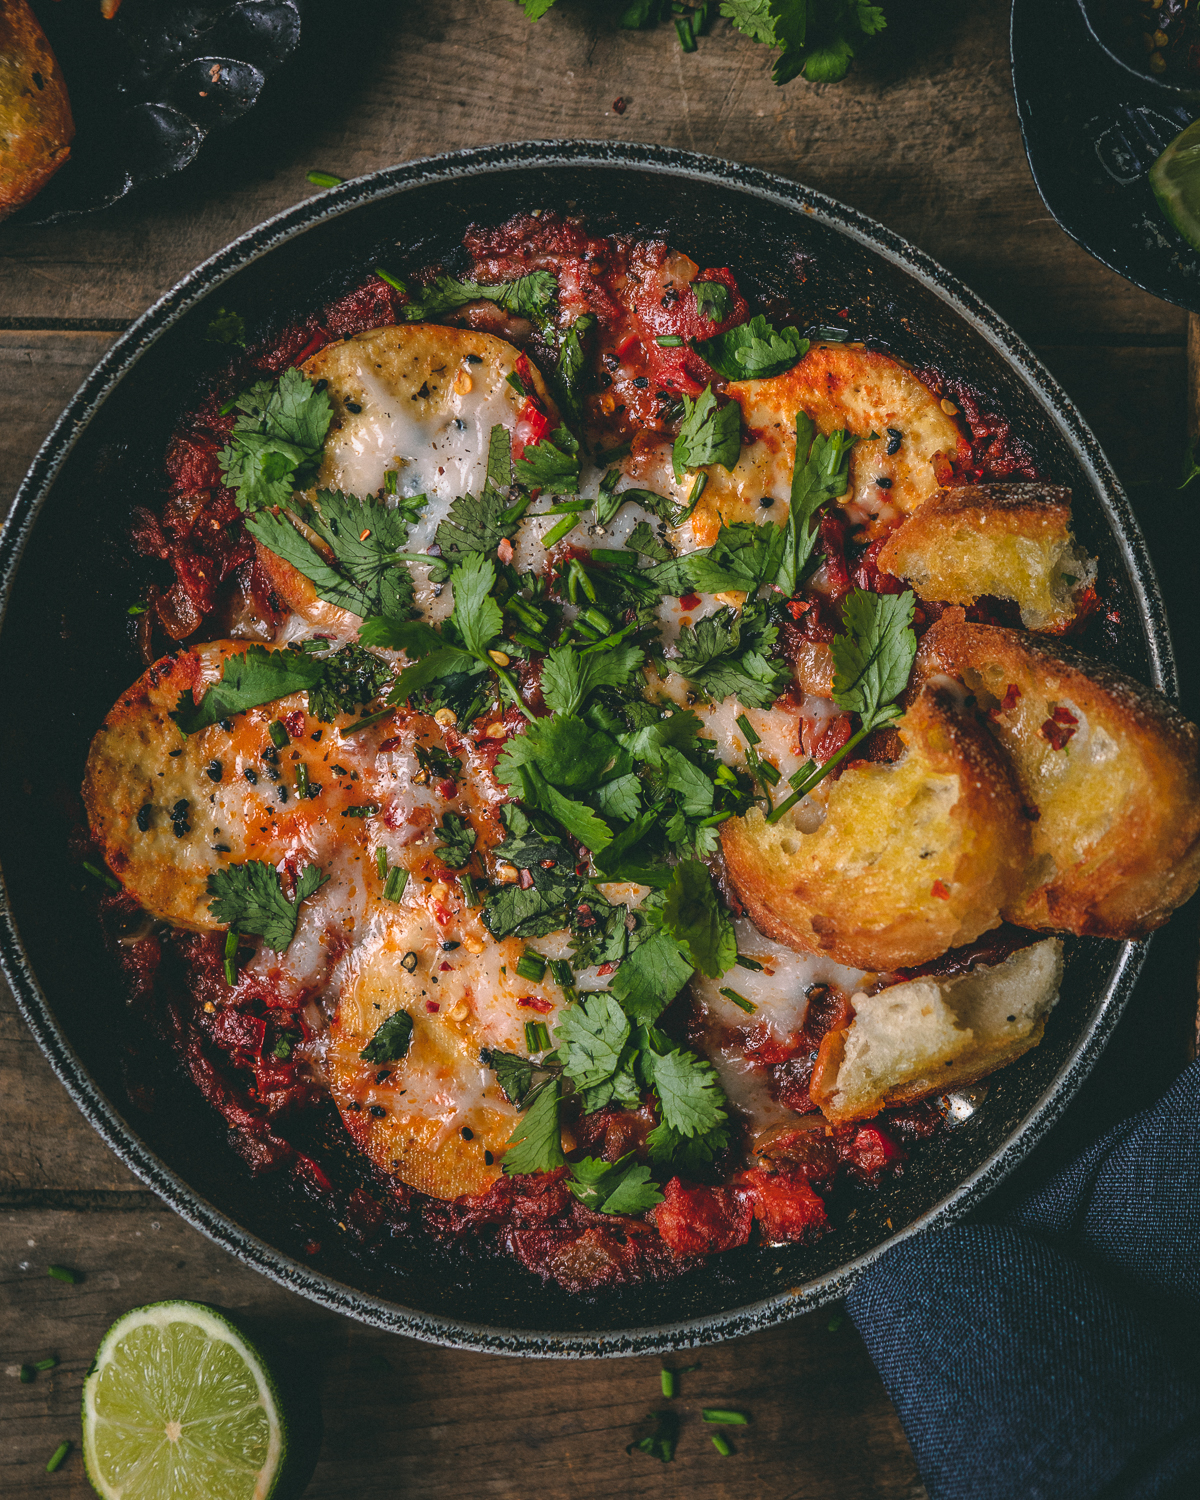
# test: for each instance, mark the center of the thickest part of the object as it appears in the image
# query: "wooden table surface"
(925, 139)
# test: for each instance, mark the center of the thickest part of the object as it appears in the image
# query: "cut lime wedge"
(1175, 178)
(178, 1406)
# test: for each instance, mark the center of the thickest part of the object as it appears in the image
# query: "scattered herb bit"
(56, 1458)
(455, 841)
(537, 1036)
(391, 1042)
(361, 810)
(63, 1273)
(250, 898)
(285, 1045)
(572, 369)
(531, 966)
(621, 1187)
(103, 876)
(397, 286)
(231, 948)
(248, 680)
(536, 1144)
(529, 296)
(726, 1418)
(467, 886)
(668, 341)
(722, 1444)
(227, 328)
(661, 1442)
(836, 1321)
(668, 1382)
(279, 735)
(740, 1001)
(25, 1375)
(710, 434)
(277, 440)
(324, 179)
(713, 299)
(551, 464)
(753, 350)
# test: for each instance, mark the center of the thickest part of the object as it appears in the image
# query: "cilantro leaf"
(678, 730)
(550, 464)
(620, 798)
(744, 556)
(499, 465)
(529, 296)
(364, 536)
(413, 637)
(227, 328)
(710, 434)
(713, 300)
(513, 1073)
(536, 1143)
(692, 915)
(713, 656)
(620, 1187)
(253, 677)
(688, 1156)
(592, 1046)
(565, 750)
(688, 1090)
(351, 678)
(432, 667)
(576, 817)
(643, 541)
(818, 38)
(456, 841)
(476, 614)
(473, 525)
(572, 368)
(249, 898)
(569, 679)
(821, 473)
(543, 907)
(873, 659)
(650, 978)
(277, 440)
(391, 1041)
(753, 350)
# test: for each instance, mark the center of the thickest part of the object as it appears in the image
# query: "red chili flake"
(535, 1002)
(525, 880)
(1011, 693)
(618, 105)
(798, 607)
(605, 969)
(294, 723)
(941, 890)
(1056, 734)
(312, 1247)
(389, 744)
(365, 535)
(444, 969)
(630, 341)
(446, 788)
(432, 1006)
(1062, 715)
(689, 601)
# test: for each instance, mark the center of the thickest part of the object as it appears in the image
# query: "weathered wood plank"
(438, 1422)
(39, 373)
(924, 137)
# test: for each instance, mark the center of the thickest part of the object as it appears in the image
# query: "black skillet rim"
(599, 155)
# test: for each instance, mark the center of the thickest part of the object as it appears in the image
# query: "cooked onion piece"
(928, 1035)
(1109, 767)
(1011, 541)
(890, 864)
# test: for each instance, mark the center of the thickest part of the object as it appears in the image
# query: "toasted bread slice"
(36, 127)
(1108, 766)
(891, 864)
(929, 1035)
(419, 402)
(1010, 541)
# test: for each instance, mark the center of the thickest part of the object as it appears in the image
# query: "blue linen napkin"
(1053, 1352)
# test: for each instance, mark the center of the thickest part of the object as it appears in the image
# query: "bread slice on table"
(929, 1035)
(1107, 767)
(1006, 541)
(36, 128)
(888, 865)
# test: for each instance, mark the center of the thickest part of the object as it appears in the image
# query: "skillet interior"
(66, 652)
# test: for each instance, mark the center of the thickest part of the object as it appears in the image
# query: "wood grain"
(405, 1418)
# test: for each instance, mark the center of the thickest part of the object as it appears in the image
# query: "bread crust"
(911, 857)
(36, 128)
(1010, 541)
(1116, 836)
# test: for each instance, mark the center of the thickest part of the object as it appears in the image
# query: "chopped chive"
(63, 1273)
(531, 965)
(747, 963)
(727, 1418)
(394, 888)
(361, 810)
(562, 971)
(609, 482)
(57, 1457)
(518, 385)
(768, 773)
(381, 862)
(802, 773)
(578, 573)
(667, 1380)
(25, 1374)
(98, 874)
(279, 735)
(325, 179)
(348, 729)
(687, 37)
(47, 1364)
(515, 511)
(137, 609)
(698, 489)
(598, 619)
(467, 885)
(836, 1321)
(722, 1444)
(302, 786)
(744, 724)
(669, 341)
(568, 507)
(556, 533)
(740, 1001)
(397, 286)
(537, 1036)
(231, 947)
(389, 482)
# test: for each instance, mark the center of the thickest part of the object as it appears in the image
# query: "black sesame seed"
(488, 1158)
(1012, 1018)
(895, 438)
(180, 809)
(271, 774)
(281, 793)
(251, 776)
(222, 849)
(450, 946)
(143, 818)
(467, 1133)
(226, 725)
(884, 482)
(174, 753)
(354, 407)
(214, 770)
(378, 1111)
(766, 502)
(641, 382)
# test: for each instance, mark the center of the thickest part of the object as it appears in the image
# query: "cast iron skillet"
(65, 654)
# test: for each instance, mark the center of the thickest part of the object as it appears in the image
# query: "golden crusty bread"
(891, 864)
(1108, 766)
(1010, 541)
(928, 1035)
(36, 128)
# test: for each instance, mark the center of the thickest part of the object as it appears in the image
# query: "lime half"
(178, 1406)
(1175, 178)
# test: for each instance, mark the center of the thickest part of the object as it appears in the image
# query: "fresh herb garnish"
(713, 299)
(725, 655)
(551, 464)
(572, 369)
(456, 841)
(227, 328)
(536, 1143)
(661, 1442)
(620, 1187)
(753, 350)
(248, 680)
(391, 1042)
(529, 296)
(710, 434)
(249, 898)
(277, 440)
